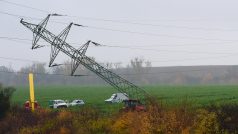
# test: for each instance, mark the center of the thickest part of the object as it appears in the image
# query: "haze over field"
(168, 33)
(191, 75)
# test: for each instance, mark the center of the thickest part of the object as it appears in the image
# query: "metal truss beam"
(58, 43)
(79, 53)
(37, 31)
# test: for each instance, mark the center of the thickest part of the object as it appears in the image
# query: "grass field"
(174, 117)
(95, 96)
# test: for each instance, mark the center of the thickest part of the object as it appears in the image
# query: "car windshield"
(60, 101)
(113, 96)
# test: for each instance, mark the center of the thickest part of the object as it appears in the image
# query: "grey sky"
(178, 32)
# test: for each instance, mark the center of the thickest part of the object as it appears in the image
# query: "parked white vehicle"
(117, 98)
(77, 102)
(58, 104)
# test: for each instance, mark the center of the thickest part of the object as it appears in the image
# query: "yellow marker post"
(32, 95)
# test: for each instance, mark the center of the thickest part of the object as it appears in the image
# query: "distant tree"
(232, 75)
(65, 68)
(38, 69)
(148, 67)
(107, 65)
(117, 65)
(58, 70)
(137, 63)
(6, 69)
(140, 66)
(207, 78)
(7, 76)
(34, 68)
(148, 64)
(180, 79)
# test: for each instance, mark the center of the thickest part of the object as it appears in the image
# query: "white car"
(117, 98)
(58, 104)
(77, 102)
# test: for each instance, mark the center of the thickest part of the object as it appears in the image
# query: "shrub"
(227, 116)
(131, 122)
(5, 95)
(206, 123)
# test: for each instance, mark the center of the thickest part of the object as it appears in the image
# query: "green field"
(95, 96)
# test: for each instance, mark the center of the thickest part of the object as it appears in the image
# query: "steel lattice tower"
(78, 57)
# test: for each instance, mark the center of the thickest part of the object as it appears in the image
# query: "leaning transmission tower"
(78, 57)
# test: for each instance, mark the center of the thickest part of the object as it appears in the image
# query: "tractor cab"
(134, 105)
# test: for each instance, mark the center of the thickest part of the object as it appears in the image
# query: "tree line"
(138, 71)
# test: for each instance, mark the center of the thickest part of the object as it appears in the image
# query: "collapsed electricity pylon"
(78, 57)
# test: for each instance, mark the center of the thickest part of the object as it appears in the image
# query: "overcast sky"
(165, 32)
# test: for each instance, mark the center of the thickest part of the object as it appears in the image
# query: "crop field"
(198, 96)
(184, 109)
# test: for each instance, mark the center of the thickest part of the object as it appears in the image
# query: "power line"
(23, 41)
(161, 50)
(26, 60)
(33, 18)
(158, 61)
(133, 32)
(20, 40)
(176, 44)
(109, 46)
(125, 22)
(154, 34)
(14, 38)
(21, 5)
(155, 25)
(19, 16)
(158, 45)
(125, 47)
(41, 10)
(19, 59)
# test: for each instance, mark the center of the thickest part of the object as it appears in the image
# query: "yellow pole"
(32, 95)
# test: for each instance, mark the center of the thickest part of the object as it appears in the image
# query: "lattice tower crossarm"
(119, 83)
